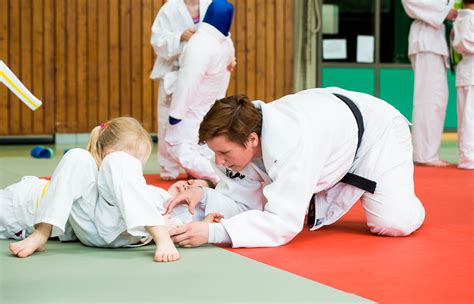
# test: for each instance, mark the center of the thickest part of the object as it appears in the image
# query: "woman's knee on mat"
(401, 224)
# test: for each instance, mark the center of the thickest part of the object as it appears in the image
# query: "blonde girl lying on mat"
(98, 196)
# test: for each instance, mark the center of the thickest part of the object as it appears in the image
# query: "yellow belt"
(45, 186)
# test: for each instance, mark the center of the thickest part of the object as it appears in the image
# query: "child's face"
(182, 186)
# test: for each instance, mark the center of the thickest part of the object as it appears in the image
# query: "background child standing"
(174, 25)
(463, 42)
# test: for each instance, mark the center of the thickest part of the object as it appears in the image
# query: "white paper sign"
(334, 49)
(365, 49)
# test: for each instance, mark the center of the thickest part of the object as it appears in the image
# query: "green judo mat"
(73, 273)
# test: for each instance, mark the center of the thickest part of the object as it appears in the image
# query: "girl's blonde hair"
(120, 134)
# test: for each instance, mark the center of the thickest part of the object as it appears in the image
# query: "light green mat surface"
(73, 273)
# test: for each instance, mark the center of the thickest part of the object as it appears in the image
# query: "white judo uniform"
(202, 78)
(463, 42)
(309, 143)
(172, 19)
(428, 52)
(109, 207)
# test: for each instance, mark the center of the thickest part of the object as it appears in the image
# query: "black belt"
(350, 178)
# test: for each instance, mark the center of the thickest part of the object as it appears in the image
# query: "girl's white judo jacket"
(172, 20)
(463, 42)
(308, 143)
(427, 33)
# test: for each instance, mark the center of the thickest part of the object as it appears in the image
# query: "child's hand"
(213, 218)
(187, 34)
(232, 65)
(453, 13)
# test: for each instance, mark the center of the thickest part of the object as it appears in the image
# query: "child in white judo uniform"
(174, 25)
(98, 195)
(428, 52)
(463, 42)
(203, 77)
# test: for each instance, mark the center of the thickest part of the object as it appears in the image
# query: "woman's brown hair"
(235, 117)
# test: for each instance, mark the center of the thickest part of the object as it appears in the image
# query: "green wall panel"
(355, 79)
(396, 87)
(451, 114)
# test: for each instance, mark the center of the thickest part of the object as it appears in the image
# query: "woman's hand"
(191, 197)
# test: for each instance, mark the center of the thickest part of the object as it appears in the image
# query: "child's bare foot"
(436, 163)
(165, 249)
(35, 242)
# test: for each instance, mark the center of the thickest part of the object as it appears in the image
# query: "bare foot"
(35, 242)
(165, 249)
(436, 163)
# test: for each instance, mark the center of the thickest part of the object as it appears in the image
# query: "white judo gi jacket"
(203, 76)
(172, 19)
(308, 143)
(427, 33)
(463, 42)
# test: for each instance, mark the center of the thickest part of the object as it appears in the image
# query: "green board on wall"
(354, 79)
(396, 87)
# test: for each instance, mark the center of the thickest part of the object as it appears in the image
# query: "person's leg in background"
(429, 107)
(169, 167)
(465, 106)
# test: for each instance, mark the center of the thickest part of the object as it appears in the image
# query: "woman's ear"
(253, 140)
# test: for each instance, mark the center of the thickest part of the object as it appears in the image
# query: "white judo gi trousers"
(463, 42)
(430, 100)
(109, 207)
(168, 164)
(394, 209)
(465, 109)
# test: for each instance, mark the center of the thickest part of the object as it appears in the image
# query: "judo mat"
(434, 265)
(73, 273)
(341, 263)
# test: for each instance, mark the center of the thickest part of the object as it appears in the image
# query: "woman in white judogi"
(98, 195)
(173, 27)
(305, 144)
(428, 52)
(463, 42)
(203, 77)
